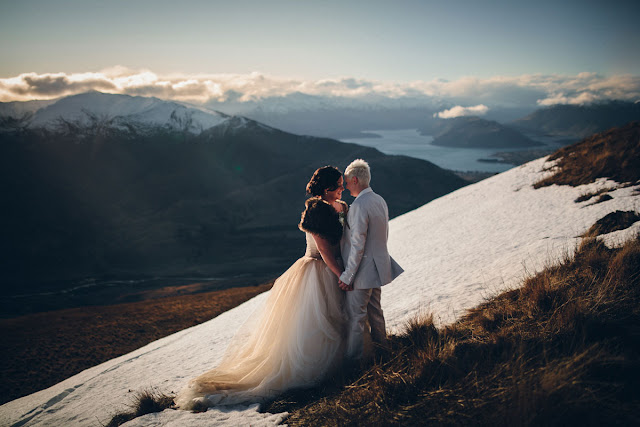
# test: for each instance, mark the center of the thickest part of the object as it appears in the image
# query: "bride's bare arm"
(328, 253)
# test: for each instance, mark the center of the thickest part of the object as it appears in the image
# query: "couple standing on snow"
(316, 314)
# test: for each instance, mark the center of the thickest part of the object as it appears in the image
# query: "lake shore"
(410, 142)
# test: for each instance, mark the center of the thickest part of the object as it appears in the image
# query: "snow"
(486, 238)
(137, 109)
(456, 251)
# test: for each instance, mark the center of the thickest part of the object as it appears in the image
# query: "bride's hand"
(344, 286)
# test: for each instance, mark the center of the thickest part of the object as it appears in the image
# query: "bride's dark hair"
(325, 178)
(321, 218)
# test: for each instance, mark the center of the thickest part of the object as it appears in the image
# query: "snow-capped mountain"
(120, 109)
(456, 250)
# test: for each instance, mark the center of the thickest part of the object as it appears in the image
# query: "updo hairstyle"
(325, 178)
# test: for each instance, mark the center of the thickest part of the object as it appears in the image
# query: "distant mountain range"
(560, 123)
(579, 121)
(345, 117)
(334, 116)
(339, 117)
(109, 185)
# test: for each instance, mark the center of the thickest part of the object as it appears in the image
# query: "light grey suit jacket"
(364, 246)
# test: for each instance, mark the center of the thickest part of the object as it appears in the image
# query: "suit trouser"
(363, 304)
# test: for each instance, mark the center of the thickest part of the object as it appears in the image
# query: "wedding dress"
(293, 341)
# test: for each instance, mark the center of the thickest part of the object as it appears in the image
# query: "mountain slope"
(99, 200)
(614, 154)
(456, 250)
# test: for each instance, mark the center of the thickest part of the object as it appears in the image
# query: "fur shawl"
(320, 218)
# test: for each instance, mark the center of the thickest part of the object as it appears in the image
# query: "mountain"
(112, 110)
(477, 241)
(579, 121)
(331, 116)
(474, 132)
(98, 199)
(342, 117)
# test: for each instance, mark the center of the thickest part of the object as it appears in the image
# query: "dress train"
(293, 341)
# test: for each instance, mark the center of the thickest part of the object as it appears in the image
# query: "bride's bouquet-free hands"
(344, 286)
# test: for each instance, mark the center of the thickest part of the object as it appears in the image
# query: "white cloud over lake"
(525, 90)
(459, 111)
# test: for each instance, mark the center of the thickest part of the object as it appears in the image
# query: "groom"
(368, 265)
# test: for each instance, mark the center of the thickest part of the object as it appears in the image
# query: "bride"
(298, 336)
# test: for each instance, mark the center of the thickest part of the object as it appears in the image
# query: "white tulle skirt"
(293, 341)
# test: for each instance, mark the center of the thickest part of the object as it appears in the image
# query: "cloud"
(588, 88)
(45, 86)
(498, 91)
(458, 111)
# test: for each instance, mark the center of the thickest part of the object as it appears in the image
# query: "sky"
(386, 42)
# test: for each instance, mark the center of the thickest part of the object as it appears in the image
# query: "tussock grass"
(144, 402)
(614, 154)
(562, 349)
(613, 221)
(602, 193)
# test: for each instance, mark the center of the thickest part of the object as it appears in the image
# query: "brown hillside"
(42, 349)
(613, 154)
(564, 349)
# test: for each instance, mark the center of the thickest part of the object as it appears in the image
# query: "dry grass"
(602, 193)
(614, 221)
(144, 402)
(613, 154)
(40, 350)
(562, 349)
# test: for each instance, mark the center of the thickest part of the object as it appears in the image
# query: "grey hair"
(361, 170)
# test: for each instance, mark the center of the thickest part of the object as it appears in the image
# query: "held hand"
(344, 286)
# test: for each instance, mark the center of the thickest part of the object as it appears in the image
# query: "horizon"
(493, 54)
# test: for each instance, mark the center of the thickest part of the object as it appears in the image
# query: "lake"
(410, 143)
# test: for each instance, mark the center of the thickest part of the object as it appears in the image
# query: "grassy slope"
(613, 154)
(40, 350)
(562, 349)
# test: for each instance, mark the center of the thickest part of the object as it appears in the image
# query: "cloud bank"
(459, 111)
(525, 90)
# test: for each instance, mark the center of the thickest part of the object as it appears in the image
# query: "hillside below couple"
(322, 310)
